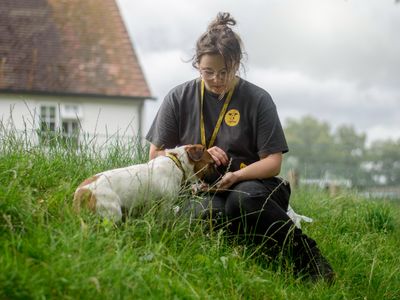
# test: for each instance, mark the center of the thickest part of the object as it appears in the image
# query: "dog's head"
(203, 163)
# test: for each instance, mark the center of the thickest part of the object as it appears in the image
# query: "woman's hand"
(228, 180)
(218, 155)
(266, 167)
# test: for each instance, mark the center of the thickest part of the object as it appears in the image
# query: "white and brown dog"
(111, 192)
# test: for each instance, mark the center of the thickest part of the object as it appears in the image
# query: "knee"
(247, 197)
(238, 201)
(207, 208)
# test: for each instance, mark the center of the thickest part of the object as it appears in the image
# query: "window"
(47, 123)
(70, 127)
(70, 111)
(59, 124)
(48, 118)
(70, 131)
(69, 115)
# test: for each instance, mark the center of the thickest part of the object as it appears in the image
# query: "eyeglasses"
(209, 74)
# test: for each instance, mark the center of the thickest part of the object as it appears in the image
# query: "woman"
(237, 121)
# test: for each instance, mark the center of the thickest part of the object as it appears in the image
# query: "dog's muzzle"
(214, 174)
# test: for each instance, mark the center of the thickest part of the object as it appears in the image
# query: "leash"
(177, 163)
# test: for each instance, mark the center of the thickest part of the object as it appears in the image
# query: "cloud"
(336, 101)
(345, 39)
(164, 70)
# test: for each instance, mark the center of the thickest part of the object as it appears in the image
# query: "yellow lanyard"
(221, 116)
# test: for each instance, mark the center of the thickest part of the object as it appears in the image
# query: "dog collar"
(177, 163)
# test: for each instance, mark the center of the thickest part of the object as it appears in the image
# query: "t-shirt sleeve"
(270, 136)
(164, 131)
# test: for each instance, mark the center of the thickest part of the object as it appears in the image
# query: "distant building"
(69, 66)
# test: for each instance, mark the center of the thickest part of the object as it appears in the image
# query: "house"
(69, 66)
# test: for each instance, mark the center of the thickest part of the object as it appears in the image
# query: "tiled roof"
(68, 46)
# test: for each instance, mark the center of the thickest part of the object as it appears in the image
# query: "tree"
(384, 161)
(316, 152)
(350, 152)
(311, 146)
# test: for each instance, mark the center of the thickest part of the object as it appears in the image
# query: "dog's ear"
(195, 152)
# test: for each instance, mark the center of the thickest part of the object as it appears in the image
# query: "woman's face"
(213, 70)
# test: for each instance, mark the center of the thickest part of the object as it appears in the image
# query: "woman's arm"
(155, 151)
(267, 167)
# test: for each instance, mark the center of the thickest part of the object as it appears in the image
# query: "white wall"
(112, 118)
(16, 110)
(104, 118)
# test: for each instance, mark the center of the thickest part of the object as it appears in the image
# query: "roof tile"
(69, 46)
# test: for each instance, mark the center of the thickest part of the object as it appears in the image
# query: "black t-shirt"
(250, 129)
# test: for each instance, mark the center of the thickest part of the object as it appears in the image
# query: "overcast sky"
(336, 60)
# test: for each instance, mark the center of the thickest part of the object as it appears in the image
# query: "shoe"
(318, 267)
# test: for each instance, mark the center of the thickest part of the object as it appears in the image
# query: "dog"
(113, 192)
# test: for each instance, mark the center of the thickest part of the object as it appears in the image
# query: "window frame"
(52, 119)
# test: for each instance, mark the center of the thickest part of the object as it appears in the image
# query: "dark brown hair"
(220, 39)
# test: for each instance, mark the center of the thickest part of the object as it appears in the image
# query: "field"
(48, 252)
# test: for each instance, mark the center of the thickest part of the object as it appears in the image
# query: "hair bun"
(223, 19)
(220, 39)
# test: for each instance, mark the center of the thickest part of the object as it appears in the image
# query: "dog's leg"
(108, 205)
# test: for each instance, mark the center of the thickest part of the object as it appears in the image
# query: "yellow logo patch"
(242, 165)
(232, 117)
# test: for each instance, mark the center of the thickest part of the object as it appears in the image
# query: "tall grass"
(48, 252)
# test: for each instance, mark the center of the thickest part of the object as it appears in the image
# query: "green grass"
(48, 252)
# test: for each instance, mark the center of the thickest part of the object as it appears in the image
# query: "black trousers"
(256, 211)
